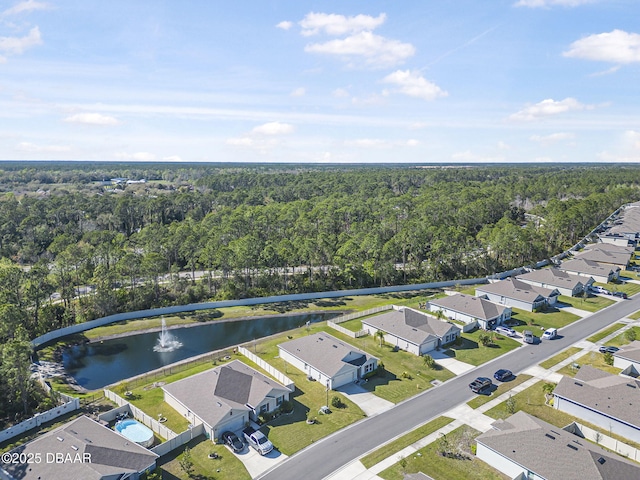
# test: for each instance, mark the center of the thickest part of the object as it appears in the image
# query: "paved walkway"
(370, 403)
(463, 414)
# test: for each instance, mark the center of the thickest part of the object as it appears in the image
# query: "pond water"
(95, 365)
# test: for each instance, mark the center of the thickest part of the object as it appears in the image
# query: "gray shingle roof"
(110, 453)
(629, 221)
(609, 247)
(587, 267)
(325, 352)
(214, 394)
(553, 276)
(470, 305)
(553, 453)
(630, 352)
(604, 256)
(411, 325)
(517, 289)
(612, 395)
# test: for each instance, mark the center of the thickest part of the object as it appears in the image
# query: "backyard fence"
(335, 323)
(282, 378)
(178, 440)
(40, 418)
(608, 442)
(142, 417)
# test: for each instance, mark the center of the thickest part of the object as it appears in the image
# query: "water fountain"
(166, 342)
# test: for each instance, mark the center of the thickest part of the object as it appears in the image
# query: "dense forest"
(259, 230)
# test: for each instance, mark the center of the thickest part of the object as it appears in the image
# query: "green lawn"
(635, 315)
(228, 466)
(429, 461)
(622, 286)
(605, 333)
(593, 303)
(532, 401)
(471, 350)
(622, 339)
(538, 322)
(152, 402)
(354, 325)
(409, 439)
(550, 362)
(594, 359)
(503, 387)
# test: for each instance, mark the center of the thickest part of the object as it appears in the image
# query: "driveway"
(257, 464)
(455, 366)
(369, 403)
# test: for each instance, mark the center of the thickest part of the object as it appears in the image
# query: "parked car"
(550, 333)
(604, 349)
(528, 336)
(480, 384)
(232, 440)
(257, 440)
(509, 332)
(620, 294)
(503, 374)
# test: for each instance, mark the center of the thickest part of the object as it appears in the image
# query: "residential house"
(627, 226)
(330, 361)
(469, 309)
(524, 447)
(605, 257)
(608, 401)
(628, 358)
(226, 397)
(80, 449)
(582, 267)
(518, 294)
(566, 283)
(609, 247)
(412, 330)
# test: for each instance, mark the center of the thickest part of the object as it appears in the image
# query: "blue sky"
(306, 82)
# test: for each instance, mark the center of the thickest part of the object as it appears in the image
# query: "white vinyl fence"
(40, 418)
(277, 374)
(142, 417)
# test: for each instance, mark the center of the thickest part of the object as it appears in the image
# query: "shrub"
(608, 358)
(630, 335)
(286, 406)
(336, 402)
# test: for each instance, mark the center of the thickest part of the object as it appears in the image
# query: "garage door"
(234, 424)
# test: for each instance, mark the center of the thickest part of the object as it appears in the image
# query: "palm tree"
(380, 335)
(548, 389)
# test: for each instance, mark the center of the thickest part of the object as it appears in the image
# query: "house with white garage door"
(412, 330)
(226, 397)
(567, 283)
(518, 294)
(470, 309)
(328, 360)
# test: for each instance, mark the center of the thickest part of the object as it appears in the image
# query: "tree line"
(260, 231)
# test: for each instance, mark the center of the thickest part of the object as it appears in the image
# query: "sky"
(430, 81)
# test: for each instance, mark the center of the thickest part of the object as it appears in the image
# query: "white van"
(550, 333)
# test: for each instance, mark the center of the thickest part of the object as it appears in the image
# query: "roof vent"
(601, 460)
(335, 346)
(572, 447)
(60, 439)
(74, 447)
(219, 404)
(548, 435)
(578, 384)
(631, 385)
(321, 339)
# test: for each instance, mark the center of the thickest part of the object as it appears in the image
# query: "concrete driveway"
(257, 464)
(369, 403)
(451, 364)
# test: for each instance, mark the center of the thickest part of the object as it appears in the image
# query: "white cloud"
(285, 25)
(332, 24)
(412, 142)
(368, 143)
(552, 138)
(17, 45)
(616, 46)
(415, 85)
(551, 3)
(240, 141)
(503, 146)
(549, 107)
(26, 6)
(373, 50)
(273, 128)
(92, 119)
(143, 156)
(632, 138)
(340, 93)
(30, 147)
(172, 158)
(298, 92)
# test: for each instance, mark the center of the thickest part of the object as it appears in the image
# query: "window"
(368, 368)
(279, 400)
(264, 408)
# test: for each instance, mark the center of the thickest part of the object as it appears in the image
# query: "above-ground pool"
(135, 431)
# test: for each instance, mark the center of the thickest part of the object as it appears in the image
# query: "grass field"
(550, 362)
(502, 388)
(429, 461)
(605, 333)
(538, 322)
(593, 359)
(622, 338)
(593, 303)
(473, 352)
(409, 439)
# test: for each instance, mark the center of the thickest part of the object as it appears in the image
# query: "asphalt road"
(334, 452)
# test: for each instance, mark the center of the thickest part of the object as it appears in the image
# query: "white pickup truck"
(257, 440)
